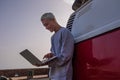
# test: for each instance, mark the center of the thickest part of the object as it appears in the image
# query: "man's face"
(48, 24)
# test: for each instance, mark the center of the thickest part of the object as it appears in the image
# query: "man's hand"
(48, 55)
(37, 65)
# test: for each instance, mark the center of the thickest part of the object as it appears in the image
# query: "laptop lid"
(30, 57)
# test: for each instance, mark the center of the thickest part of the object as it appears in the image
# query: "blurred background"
(20, 28)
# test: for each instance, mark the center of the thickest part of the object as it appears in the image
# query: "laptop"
(33, 59)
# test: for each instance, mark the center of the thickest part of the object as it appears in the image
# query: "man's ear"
(53, 19)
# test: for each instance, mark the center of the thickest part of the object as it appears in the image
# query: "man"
(62, 45)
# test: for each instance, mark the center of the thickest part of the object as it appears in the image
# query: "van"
(95, 25)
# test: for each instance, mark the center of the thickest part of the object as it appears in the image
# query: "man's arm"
(67, 46)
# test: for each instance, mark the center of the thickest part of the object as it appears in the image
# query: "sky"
(21, 28)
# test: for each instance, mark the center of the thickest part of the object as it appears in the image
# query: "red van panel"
(98, 58)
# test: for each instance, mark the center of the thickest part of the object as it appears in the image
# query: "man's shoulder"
(66, 32)
(64, 29)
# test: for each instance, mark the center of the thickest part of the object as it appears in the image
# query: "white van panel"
(95, 18)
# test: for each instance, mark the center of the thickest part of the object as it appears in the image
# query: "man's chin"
(51, 30)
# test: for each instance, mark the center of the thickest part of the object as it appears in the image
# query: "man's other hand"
(48, 55)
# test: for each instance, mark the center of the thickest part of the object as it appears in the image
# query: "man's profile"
(62, 45)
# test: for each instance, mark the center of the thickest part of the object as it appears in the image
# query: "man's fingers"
(45, 56)
(49, 55)
(37, 65)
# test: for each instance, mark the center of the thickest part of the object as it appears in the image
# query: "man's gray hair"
(47, 16)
